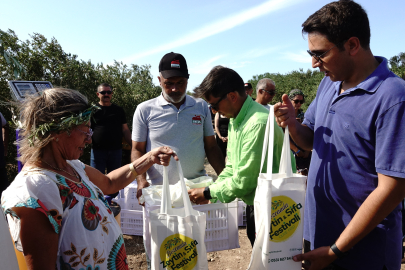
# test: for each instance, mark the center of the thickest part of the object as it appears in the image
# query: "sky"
(252, 37)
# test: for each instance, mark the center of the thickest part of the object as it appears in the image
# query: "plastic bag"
(153, 194)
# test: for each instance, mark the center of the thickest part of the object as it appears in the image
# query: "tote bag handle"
(268, 146)
(166, 206)
(285, 161)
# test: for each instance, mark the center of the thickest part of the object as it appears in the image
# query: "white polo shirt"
(159, 123)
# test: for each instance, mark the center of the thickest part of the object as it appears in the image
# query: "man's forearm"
(378, 205)
(302, 135)
(127, 136)
(5, 131)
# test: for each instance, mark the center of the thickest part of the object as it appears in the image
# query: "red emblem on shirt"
(196, 120)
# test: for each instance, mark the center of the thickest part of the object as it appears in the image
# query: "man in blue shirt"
(355, 127)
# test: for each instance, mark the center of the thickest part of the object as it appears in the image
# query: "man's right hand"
(285, 113)
(141, 185)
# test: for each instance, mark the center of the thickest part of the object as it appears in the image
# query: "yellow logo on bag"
(285, 218)
(178, 252)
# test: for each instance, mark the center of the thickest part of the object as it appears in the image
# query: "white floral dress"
(89, 236)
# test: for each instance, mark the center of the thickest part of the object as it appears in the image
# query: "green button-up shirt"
(245, 145)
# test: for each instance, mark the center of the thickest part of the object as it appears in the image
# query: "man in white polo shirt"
(177, 120)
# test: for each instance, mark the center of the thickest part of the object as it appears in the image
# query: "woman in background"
(221, 129)
(302, 158)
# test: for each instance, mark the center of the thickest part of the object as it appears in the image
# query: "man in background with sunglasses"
(109, 125)
(355, 127)
(265, 91)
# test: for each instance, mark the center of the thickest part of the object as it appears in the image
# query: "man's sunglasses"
(317, 57)
(271, 93)
(215, 105)
(296, 101)
(108, 92)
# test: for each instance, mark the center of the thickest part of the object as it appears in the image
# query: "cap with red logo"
(173, 65)
(248, 85)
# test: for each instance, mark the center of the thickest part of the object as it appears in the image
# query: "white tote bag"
(279, 209)
(177, 234)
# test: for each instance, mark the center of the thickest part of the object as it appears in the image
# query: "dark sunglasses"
(319, 57)
(296, 101)
(215, 106)
(271, 93)
(108, 92)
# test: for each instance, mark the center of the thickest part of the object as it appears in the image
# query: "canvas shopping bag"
(177, 234)
(279, 209)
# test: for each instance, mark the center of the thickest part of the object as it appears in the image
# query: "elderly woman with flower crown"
(56, 209)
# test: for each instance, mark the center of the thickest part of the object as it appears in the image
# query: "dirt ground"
(220, 260)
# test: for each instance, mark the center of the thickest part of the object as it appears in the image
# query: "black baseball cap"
(248, 85)
(173, 65)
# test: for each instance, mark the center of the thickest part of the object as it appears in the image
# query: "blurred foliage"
(40, 59)
(306, 81)
(397, 64)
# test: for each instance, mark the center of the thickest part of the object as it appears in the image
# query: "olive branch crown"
(65, 124)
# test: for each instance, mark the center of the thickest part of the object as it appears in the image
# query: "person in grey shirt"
(177, 120)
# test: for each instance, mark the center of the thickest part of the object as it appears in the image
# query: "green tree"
(9, 57)
(45, 60)
(397, 64)
(306, 81)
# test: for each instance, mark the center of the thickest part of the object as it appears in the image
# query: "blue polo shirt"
(357, 134)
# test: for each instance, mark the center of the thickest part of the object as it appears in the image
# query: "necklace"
(59, 169)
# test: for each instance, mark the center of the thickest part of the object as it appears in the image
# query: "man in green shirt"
(223, 89)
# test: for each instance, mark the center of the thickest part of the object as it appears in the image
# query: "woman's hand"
(224, 139)
(162, 155)
(121, 177)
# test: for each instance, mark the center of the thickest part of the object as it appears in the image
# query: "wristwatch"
(207, 194)
(337, 251)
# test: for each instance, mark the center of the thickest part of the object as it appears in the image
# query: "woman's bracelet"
(133, 171)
